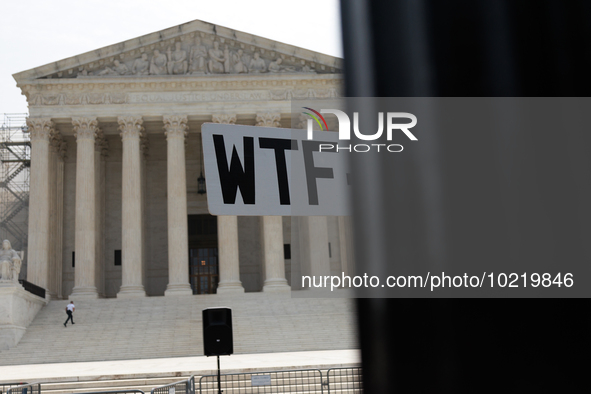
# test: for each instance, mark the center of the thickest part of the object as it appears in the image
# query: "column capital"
(131, 126)
(268, 119)
(145, 145)
(175, 126)
(301, 122)
(58, 144)
(85, 128)
(224, 118)
(40, 129)
(101, 145)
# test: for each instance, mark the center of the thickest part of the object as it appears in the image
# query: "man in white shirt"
(70, 310)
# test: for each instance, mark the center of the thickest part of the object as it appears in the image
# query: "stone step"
(154, 327)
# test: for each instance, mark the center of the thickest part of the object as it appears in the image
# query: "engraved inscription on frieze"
(196, 97)
(180, 97)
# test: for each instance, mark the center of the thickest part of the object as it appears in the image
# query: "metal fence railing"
(303, 381)
(5, 386)
(114, 392)
(180, 387)
(27, 388)
(294, 381)
(344, 380)
(33, 288)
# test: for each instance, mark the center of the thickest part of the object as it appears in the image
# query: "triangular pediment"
(193, 48)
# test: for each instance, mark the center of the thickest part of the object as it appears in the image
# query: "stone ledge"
(18, 308)
(17, 288)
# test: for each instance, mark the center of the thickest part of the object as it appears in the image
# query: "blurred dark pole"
(472, 48)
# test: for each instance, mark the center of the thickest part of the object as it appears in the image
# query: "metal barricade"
(114, 392)
(180, 387)
(5, 386)
(344, 380)
(27, 388)
(35, 388)
(292, 381)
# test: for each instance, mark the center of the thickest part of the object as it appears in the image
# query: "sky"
(37, 32)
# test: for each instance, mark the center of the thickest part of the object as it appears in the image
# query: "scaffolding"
(15, 158)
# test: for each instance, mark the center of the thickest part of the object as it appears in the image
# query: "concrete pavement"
(177, 366)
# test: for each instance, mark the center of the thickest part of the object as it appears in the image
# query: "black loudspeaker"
(217, 332)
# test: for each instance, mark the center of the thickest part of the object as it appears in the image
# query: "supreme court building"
(115, 208)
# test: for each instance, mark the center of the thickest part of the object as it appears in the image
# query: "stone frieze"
(40, 99)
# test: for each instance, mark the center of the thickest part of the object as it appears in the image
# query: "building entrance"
(203, 254)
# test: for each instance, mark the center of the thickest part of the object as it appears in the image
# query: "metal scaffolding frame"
(15, 158)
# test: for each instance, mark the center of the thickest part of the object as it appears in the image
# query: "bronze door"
(203, 270)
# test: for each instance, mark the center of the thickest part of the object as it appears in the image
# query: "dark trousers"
(70, 317)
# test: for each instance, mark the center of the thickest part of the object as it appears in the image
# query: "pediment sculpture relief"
(200, 60)
(196, 57)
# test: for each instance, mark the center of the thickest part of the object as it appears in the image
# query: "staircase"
(15, 173)
(156, 327)
(15, 208)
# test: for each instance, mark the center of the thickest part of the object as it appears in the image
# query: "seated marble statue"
(118, 69)
(177, 60)
(10, 263)
(239, 63)
(141, 65)
(158, 63)
(257, 65)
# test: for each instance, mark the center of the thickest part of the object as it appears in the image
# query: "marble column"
(144, 154)
(178, 233)
(40, 130)
(60, 220)
(51, 243)
(272, 227)
(229, 262)
(272, 230)
(132, 249)
(85, 130)
(57, 211)
(346, 245)
(100, 151)
(314, 245)
(228, 255)
(55, 195)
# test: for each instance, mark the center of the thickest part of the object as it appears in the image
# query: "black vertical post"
(219, 377)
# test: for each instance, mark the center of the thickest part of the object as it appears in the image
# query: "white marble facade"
(115, 138)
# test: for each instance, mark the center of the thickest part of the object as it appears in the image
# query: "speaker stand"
(219, 377)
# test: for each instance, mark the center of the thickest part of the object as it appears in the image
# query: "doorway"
(203, 254)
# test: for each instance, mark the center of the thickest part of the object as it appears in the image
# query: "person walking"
(70, 311)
